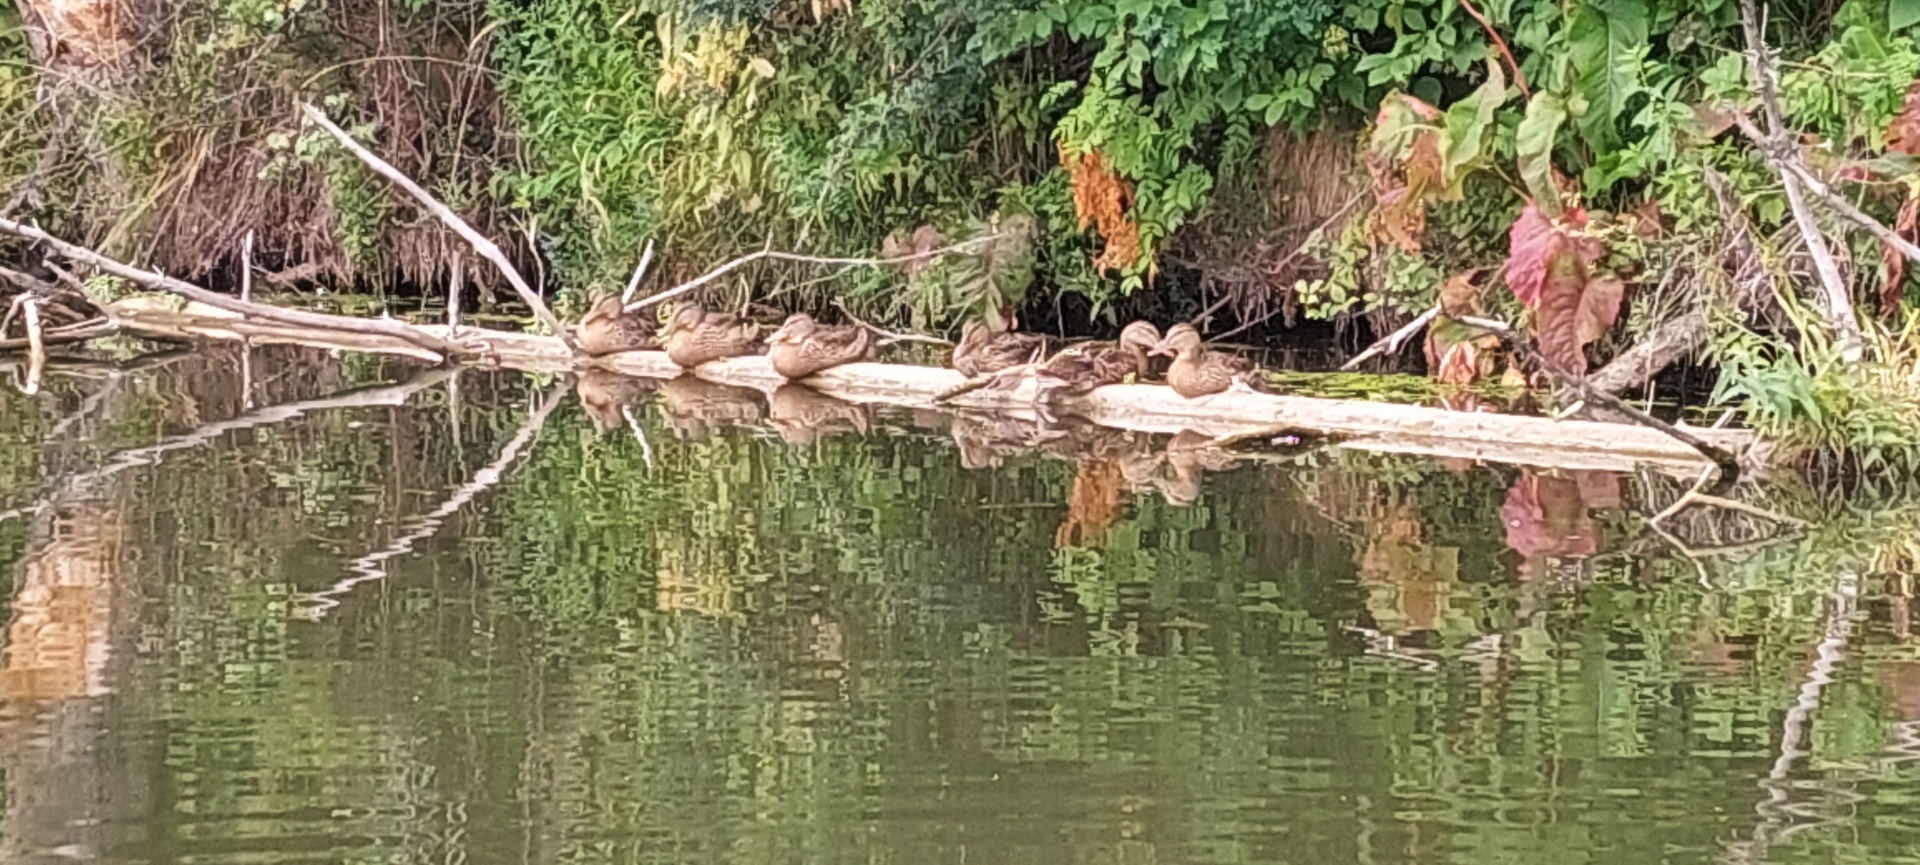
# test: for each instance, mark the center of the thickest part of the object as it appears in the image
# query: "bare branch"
(1391, 342)
(487, 248)
(1780, 156)
(301, 318)
(639, 273)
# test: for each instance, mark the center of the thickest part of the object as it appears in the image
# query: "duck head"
(797, 328)
(1181, 339)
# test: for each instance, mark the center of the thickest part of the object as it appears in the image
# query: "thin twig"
(160, 282)
(751, 257)
(487, 248)
(639, 273)
(1391, 342)
(63, 335)
(1519, 78)
(887, 335)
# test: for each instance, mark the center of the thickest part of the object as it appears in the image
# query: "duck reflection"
(605, 395)
(986, 440)
(802, 415)
(696, 407)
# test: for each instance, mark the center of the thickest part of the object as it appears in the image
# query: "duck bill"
(1160, 349)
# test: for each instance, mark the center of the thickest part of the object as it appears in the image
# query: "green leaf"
(1468, 123)
(1533, 145)
(1604, 44)
(1902, 14)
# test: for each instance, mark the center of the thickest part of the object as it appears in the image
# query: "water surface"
(280, 608)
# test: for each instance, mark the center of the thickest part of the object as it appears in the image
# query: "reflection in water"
(802, 415)
(695, 407)
(919, 637)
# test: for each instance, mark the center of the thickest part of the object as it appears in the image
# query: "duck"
(984, 351)
(694, 336)
(1197, 372)
(803, 346)
(608, 328)
(1084, 366)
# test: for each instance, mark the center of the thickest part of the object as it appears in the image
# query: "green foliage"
(1853, 417)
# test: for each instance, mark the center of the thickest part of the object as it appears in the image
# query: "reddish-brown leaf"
(1895, 288)
(1599, 308)
(1459, 364)
(1556, 315)
(1534, 239)
(1459, 296)
(1903, 134)
(1405, 161)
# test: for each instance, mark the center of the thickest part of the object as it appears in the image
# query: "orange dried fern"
(1101, 198)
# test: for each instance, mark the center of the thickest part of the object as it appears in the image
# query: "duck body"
(695, 336)
(803, 346)
(608, 328)
(984, 351)
(1197, 372)
(1082, 367)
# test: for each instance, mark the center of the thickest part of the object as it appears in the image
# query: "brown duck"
(802, 346)
(1197, 372)
(695, 336)
(608, 328)
(983, 350)
(1082, 367)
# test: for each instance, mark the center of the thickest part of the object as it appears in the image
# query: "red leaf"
(1534, 239)
(1556, 315)
(1903, 134)
(1530, 242)
(1895, 288)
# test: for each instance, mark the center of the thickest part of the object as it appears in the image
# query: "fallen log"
(1385, 427)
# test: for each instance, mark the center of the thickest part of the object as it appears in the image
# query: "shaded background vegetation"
(1226, 137)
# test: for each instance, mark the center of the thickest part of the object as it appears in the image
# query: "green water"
(466, 624)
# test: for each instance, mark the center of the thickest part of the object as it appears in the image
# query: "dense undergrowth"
(1308, 159)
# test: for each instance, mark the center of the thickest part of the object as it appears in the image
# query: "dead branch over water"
(487, 248)
(299, 318)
